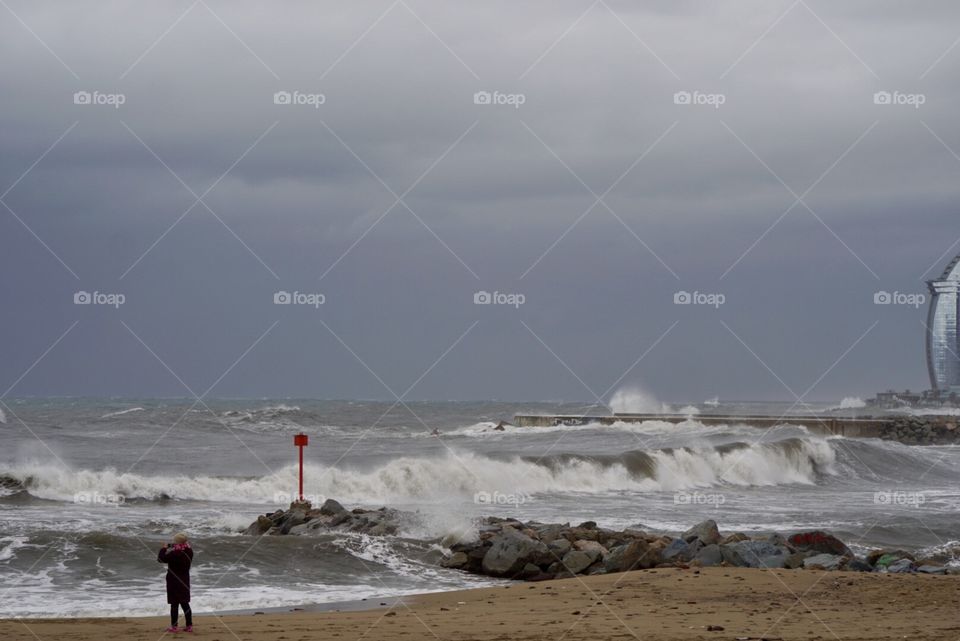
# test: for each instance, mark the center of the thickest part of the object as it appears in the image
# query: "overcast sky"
(783, 193)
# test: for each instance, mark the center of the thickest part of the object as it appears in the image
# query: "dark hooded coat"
(178, 559)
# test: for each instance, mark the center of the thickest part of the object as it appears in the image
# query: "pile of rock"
(303, 518)
(532, 551)
(919, 430)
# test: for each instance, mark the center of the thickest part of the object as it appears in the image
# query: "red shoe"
(172, 629)
(189, 628)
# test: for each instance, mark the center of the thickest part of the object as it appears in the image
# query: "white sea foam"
(852, 402)
(122, 412)
(460, 474)
(99, 598)
(9, 546)
(847, 403)
(634, 400)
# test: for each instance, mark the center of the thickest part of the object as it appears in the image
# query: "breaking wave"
(459, 474)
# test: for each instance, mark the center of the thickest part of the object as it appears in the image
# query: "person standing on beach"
(178, 558)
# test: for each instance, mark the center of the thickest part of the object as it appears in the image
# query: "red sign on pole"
(301, 441)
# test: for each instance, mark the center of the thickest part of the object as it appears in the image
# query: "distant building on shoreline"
(943, 349)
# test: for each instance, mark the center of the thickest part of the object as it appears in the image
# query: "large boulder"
(260, 526)
(778, 539)
(902, 566)
(291, 519)
(613, 562)
(581, 533)
(636, 555)
(679, 551)
(706, 532)
(331, 508)
(858, 565)
(511, 551)
(456, 561)
(709, 556)
(819, 541)
(736, 537)
(824, 561)
(559, 547)
(577, 561)
(548, 533)
(887, 559)
(755, 554)
(796, 560)
(932, 569)
(592, 546)
(889, 556)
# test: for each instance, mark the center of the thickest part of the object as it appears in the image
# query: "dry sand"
(649, 605)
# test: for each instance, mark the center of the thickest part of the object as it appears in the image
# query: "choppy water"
(90, 488)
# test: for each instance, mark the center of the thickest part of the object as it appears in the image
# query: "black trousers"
(187, 613)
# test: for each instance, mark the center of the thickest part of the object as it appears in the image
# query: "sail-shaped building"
(943, 346)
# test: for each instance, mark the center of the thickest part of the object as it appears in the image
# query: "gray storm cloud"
(802, 177)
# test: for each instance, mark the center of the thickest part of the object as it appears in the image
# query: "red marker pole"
(301, 441)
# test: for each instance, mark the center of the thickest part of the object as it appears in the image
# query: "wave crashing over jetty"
(511, 549)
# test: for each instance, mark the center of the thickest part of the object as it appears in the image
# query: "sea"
(91, 488)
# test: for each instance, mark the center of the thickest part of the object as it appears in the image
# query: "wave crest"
(457, 475)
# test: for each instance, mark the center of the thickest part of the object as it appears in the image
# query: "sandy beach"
(709, 603)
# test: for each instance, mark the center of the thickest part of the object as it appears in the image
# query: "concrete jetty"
(867, 427)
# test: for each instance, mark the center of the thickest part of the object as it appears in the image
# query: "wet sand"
(650, 605)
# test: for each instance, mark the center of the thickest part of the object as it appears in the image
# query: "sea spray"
(634, 400)
(852, 402)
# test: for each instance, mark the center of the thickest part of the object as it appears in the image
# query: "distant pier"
(870, 427)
